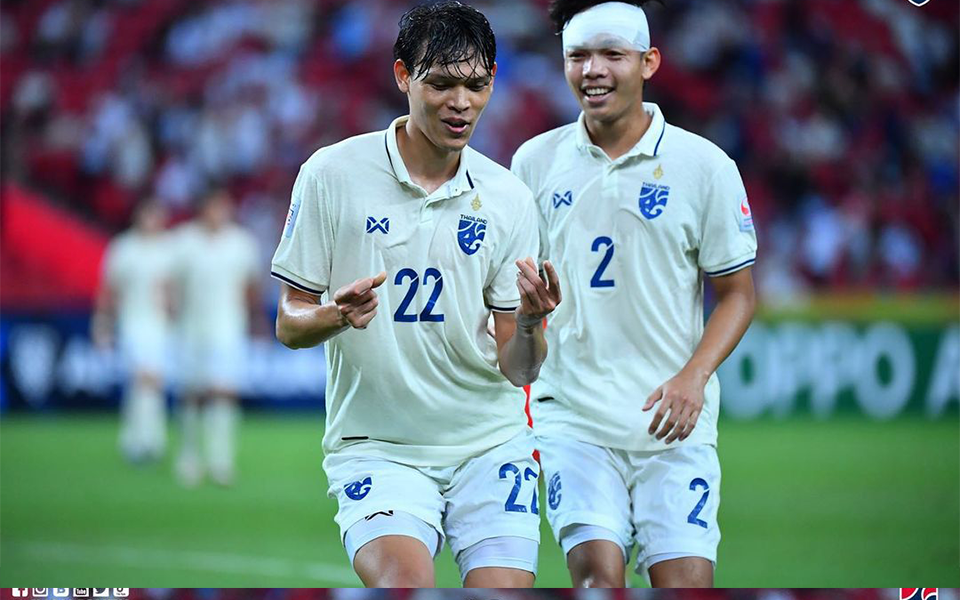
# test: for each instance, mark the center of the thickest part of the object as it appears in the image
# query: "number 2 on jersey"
(427, 313)
(597, 280)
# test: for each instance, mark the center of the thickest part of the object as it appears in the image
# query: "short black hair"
(444, 34)
(561, 11)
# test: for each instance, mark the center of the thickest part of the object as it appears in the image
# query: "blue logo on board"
(653, 199)
(471, 233)
(561, 199)
(553, 492)
(358, 490)
(374, 225)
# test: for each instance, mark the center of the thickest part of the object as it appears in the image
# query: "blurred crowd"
(841, 114)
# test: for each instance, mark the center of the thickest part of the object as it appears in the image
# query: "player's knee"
(598, 574)
(682, 573)
(401, 576)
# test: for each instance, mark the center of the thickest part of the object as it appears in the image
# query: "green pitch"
(839, 503)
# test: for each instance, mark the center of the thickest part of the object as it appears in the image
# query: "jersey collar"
(649, 145)
(460, 183)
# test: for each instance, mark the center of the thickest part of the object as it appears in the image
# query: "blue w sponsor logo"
(358, 490)
(470, 233)
(553, 492)
(561, 199)
(374, 225)
(653, 199)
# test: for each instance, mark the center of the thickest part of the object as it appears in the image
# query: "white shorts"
(492, 495)
(145, 350)
(219, 364)
(666, 501)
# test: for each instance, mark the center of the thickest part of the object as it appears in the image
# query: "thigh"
(586, 486)
(373, 490)
(394, 561)
(676, 495)
(494, 495)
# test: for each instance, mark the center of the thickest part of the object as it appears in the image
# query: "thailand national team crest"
(358, 490)
(919, 593)
(471, 233)
(554, 492)
(653, 199)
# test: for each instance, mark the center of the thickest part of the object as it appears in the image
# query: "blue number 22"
(426, 314)
(511, 504)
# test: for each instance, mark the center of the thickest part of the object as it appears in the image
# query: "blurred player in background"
(217, 272)
(635, 212)
(426, 437)
(134, 302)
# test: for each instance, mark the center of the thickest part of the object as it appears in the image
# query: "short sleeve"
(304, 256)
(501, 293)
(728, 241)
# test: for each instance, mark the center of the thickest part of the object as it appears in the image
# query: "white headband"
(597, 26)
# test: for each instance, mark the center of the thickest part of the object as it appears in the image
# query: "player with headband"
(634, 212)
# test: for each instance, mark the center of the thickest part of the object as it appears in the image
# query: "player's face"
(218, 210)
(446, 102)
(608, 80)
(152, 218)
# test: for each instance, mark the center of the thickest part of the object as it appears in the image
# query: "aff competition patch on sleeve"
(745, 216)
(292, 216)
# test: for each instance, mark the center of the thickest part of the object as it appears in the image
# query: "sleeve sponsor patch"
(745, 216)
(292, 217)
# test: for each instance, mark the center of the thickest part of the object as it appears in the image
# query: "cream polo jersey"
(214, 270)
(137, 267)
(632, 239)
(420, 385)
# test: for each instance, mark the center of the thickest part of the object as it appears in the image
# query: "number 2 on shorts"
(694, 516)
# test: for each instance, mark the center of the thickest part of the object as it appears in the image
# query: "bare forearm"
(724, 329)
(302, 324)
(522, 355)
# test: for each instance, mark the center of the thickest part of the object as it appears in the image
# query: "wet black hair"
(561, 11)
(444, 34)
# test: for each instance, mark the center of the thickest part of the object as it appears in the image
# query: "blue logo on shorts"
(358, 490)
(470, 233)
(553, 492)
(653, 199)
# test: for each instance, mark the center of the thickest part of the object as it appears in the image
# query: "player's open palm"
(681, 400)
(357, 301)
(538, 295)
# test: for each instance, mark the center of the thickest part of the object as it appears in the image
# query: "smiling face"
(607, 79)
(446, 102)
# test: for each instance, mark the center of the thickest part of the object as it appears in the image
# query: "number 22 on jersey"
(426, 315)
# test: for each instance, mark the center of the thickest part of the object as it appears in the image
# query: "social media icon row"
(66, 592)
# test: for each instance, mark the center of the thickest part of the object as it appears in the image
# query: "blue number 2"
(511, 504)
(597, 280)
(694, 516)
(426, 314)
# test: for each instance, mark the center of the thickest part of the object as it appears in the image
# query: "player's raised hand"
(357, 301)
(682, 397)
(538, 295)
